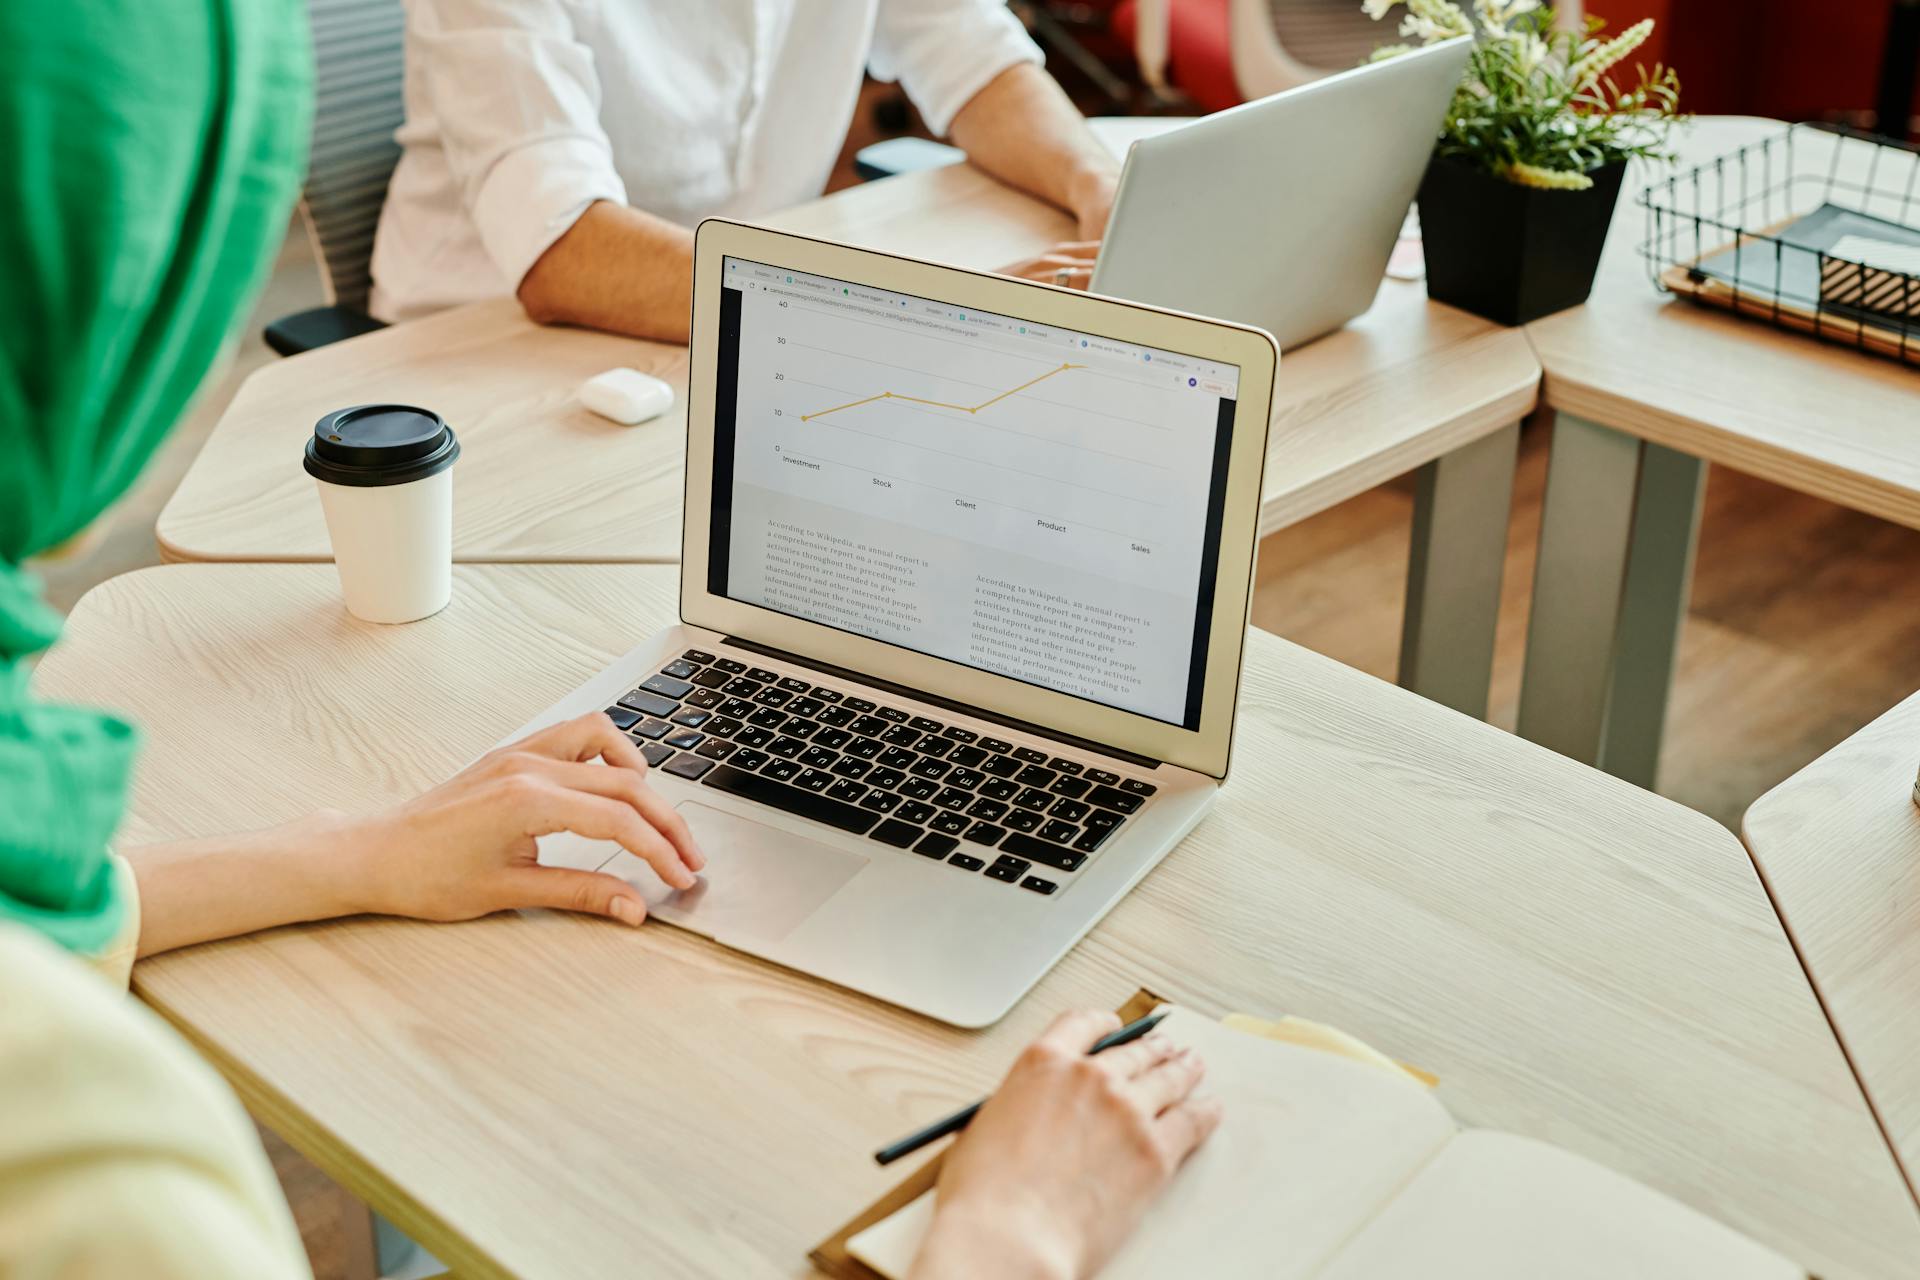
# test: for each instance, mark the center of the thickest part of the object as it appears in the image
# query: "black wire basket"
(1814, 229)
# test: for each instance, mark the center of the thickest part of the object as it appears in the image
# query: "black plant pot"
(1508, 252)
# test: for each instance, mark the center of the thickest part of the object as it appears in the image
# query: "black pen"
(960, 1119)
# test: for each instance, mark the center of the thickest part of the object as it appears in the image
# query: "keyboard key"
(1071, 788)
(864, 748)
(1138, 787)
(792, 685)
(623, 717)
(767, 718)
(1018, 865)
(931, 746)
(741, 687)
(1118, 801)
(886, 779)
(652, 729)
(951, 824)
(986, 810)
(667, 687)
(724, 726)
(808, 707)
(692, 719)
(969, 757)
(730, 666)
(795, 727)
(968, 778)
(900, 835)
(1104, 820)
(763, 675)
(772, 697)
(815, 780)
(900, 736)
(689, 767)
(985, 833)
(763, 789)
(966, 862)
(1059, 832)
(953, 798)
(893, 715)
(958, 734)
(825, 694)
(1023, 819)
(936, 845)
(916, 811)
(1000, 871)
(656, 754)
(857, 704)
(650, 703)
(781, 770)
(1035, 776)
(716, 749)
(1102, 777)
(1025, 846)
(787, 748)
(849, 767)
(1092, 838)
(918, 788)
(847, 789)
(869, 726)
(1033, 798)
(1068, 811)
(934, 769)
(1038, 885)
(752, 736)
(999, 788)
(995, 745)
(738, 708)
(686, 740)
(832, 739)
(925, 725)
(1029, 755)
(700, 656)
(881, 801)
(815, 758)
(711, 678)
(1001, 766)
(896, 757)
(749, 759)
(705, 699)
(679, 669)
(835, 716)
(1064, 766)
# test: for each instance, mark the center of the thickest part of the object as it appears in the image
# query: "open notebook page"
(1311, 1147)
(1498, 1207)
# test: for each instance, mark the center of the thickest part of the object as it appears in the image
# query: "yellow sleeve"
(121, 1152)
(115, 960)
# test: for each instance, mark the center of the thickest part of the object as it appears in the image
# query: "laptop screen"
(1037, 503)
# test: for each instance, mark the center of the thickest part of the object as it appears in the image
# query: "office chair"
(358, 72)
(1221, 53)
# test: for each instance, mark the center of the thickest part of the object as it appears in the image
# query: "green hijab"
(150, 151)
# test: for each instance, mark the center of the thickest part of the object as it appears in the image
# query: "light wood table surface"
(1409, 386)
(545, 1095)
(1839, 847)
(1647, 390)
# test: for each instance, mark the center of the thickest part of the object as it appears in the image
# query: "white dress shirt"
(521, 113)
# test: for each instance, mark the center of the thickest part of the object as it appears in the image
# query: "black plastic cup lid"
(379, 444)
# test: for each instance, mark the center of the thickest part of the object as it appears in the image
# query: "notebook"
(1334, 1167)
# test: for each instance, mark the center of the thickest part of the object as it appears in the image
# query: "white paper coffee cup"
(385, 476)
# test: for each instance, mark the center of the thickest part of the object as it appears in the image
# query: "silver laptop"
(964, 589)
(1282, 212)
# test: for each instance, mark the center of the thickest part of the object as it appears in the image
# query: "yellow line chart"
(943, 404)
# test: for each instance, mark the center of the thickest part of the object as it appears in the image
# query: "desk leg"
(1459, 551)
(1610, 591)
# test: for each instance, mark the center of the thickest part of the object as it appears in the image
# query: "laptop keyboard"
(971, 801)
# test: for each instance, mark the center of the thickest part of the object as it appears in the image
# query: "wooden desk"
(1647, 391)
(555, 1096)
(1839, 847)
(543, 480)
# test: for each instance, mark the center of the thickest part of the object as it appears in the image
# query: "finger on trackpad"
(759, 882)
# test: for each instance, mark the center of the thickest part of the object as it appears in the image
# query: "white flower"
(1496, 14)
(1377, 9)
(1533, 54)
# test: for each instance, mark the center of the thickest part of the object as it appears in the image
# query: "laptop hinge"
(921, 695)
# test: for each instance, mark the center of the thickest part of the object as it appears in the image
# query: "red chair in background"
(1220, 53)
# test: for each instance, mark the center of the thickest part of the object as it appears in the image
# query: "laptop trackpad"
(760, 881)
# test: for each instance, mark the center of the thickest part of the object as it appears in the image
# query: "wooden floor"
(1804, 624)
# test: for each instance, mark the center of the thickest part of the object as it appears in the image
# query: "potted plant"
(1517, 199)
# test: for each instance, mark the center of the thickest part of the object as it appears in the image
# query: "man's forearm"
(616, 269)
(1023, 130)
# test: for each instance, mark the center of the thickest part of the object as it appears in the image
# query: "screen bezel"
(1205, 748)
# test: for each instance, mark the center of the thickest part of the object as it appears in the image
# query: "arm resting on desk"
(617, 269)
(1023, 130)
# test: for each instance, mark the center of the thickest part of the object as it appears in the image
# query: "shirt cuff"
(534, 194)
(942, 77)
(114, 962)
